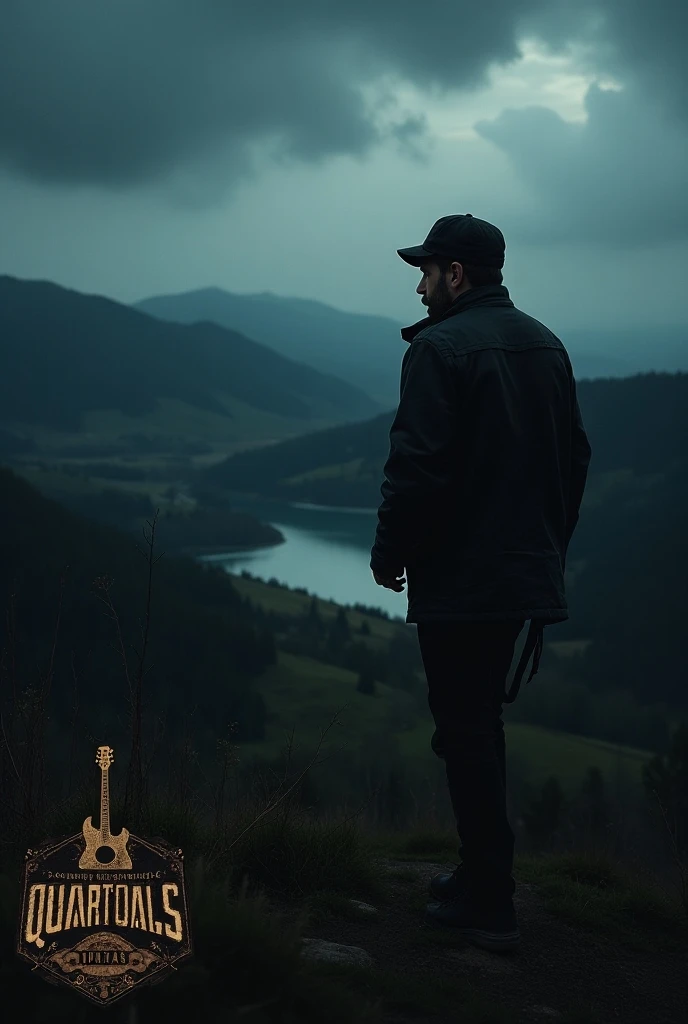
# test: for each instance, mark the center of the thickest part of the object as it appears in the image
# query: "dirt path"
(556, 965)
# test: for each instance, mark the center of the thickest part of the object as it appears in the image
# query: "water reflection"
(326, 550)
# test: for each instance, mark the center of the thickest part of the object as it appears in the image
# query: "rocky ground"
(559, 967)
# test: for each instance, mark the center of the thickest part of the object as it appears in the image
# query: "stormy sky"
(151, 146)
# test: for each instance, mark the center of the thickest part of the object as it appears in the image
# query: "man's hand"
(392, 582)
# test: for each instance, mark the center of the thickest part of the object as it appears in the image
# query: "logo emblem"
(103, 913)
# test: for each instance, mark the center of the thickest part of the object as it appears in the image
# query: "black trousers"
(466, 666)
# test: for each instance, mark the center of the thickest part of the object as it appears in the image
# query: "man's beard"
(441, 299)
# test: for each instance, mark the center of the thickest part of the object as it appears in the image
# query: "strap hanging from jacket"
(534, 643)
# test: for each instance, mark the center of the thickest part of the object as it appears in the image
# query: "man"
(483, 485)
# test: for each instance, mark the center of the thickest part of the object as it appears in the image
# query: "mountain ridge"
(67, 353)
(367, 349)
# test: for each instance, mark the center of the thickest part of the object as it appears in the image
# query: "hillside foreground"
(593, 951)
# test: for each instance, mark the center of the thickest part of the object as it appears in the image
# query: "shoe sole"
(495, 942)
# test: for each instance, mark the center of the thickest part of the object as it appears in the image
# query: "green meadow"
(303, 694)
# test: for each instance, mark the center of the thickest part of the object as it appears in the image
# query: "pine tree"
(596, 808)
(667, 785)
(343, 625)
(393, 798)
(544, 814)
(366, 682)
(313, 616)
(311, 625)
(339, 633)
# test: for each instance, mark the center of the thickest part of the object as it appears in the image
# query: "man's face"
(433, 287)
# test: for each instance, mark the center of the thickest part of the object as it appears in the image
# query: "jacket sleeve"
(581, 453)
(422, 438)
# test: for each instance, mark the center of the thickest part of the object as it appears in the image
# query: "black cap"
(460, 237)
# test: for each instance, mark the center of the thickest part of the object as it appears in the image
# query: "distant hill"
(67, 357)
(630, 595)
(367, 350)
(638, 424)
(364, 350)
(627, 351)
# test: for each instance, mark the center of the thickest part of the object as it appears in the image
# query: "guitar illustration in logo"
(101, 840)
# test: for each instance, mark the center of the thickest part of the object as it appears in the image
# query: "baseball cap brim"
(415, 255)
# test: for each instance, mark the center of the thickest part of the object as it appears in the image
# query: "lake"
(326, 550)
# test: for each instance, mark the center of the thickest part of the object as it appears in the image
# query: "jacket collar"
(485, 295)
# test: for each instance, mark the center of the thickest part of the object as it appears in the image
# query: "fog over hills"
(367, 350)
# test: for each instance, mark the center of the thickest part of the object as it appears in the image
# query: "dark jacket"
(487, 466)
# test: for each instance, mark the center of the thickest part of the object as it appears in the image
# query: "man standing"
(483, 485)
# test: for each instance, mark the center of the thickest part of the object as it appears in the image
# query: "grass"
(340, 991)
(608, 899)
(288, 602)
(417, 844)
(302, 692)
(340, 471)
(569, 648)
(593, 891)
(588, 890)
(545, 752)
(238, 935)
(305, 692)
(174, 418)
(247, 955)
(276, 850)
(302, 688)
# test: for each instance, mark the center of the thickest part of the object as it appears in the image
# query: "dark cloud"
(130, 92)
(646, 43)
(618, 179)
(121, 94)
(410, 135)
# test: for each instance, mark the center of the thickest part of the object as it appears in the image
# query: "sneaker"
(446, 887)
(494, 929)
